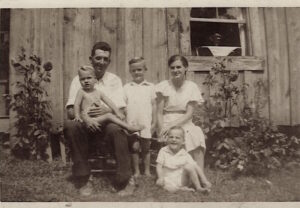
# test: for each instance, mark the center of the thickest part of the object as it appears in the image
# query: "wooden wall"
(65, 37)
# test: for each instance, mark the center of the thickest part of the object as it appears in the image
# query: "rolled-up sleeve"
(74, 87)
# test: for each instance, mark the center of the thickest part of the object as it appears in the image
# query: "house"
(263, 42)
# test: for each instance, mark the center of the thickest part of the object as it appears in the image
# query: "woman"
(177, 99)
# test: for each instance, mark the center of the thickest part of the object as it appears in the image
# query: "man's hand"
(91, 124)
(98, 111)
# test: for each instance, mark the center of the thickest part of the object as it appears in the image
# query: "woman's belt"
(174, 112)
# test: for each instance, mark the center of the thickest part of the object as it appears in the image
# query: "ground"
(33, 181)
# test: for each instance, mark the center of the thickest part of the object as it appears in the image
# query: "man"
(80, 134)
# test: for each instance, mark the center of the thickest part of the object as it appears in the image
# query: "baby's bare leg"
(114, 119)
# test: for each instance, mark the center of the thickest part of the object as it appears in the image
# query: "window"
(218, 31)
(4, 59)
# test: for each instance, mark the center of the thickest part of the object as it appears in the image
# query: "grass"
(33, 181)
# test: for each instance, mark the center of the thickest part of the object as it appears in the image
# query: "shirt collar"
(180, 152)
(105, 78)
(145, 83)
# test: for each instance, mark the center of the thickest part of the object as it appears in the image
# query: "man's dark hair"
(102, 46)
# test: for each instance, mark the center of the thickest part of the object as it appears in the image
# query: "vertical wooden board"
(77, 43)
(293, 30)
(155, 44)
(20, 30)
(257, 40)
(96, 24)
(278, 68)
(148, 52)
(52, 49)
(133, 38)
(109, 34)
(160, 46)
(184, 31)
(173, 31)
(104, 28)
(121, 50)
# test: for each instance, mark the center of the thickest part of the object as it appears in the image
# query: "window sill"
(239, 63)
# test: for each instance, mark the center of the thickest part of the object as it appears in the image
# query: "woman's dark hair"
(102, 46)
(183, 60)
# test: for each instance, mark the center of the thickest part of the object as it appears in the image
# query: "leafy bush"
(256, 146)
(29, 101)
(222, 107)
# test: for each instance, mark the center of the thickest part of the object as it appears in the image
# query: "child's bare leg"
(112, 118)
(136, 168)
(145, 146)
(201, 175)
(190, 175)
(198, 156)
(147, 164)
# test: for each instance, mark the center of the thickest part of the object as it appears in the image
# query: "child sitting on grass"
(176, 169)
(141, 109)
(88, 96)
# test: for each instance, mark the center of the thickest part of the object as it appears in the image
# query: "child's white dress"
(175, 105)
(173, 166)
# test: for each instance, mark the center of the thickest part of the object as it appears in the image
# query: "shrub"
(256, 146)
(29, 101)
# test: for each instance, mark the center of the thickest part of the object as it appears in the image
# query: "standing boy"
(141, 110)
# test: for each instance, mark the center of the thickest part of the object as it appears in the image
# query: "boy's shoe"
(129, 189)
(87, 189)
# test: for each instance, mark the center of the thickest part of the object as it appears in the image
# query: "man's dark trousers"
(79, 137)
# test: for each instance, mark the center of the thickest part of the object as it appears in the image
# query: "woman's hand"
(120, 115)
(78, 119)
(160, 182)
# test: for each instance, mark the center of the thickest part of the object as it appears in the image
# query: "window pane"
(5, 16)
(4, 51)
(204, 13)
(213, 34)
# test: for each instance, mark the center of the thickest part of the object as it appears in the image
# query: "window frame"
(243, 26)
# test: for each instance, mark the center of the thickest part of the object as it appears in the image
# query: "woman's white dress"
(175, 104)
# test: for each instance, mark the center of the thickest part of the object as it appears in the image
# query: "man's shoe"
(87, 189)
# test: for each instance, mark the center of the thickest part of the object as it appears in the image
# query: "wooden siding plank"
(160, 44)
(155, 43)
(204, 63)
(258, 48)
(278, 67)
(77, 43)
(184, 29)
(293, 30)
(121, 50)
(52, 49)
(148, 45)
(173, 31)
(133, 38)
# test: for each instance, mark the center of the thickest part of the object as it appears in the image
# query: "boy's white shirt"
(173, 161)
(138, 98)
(110, 85)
